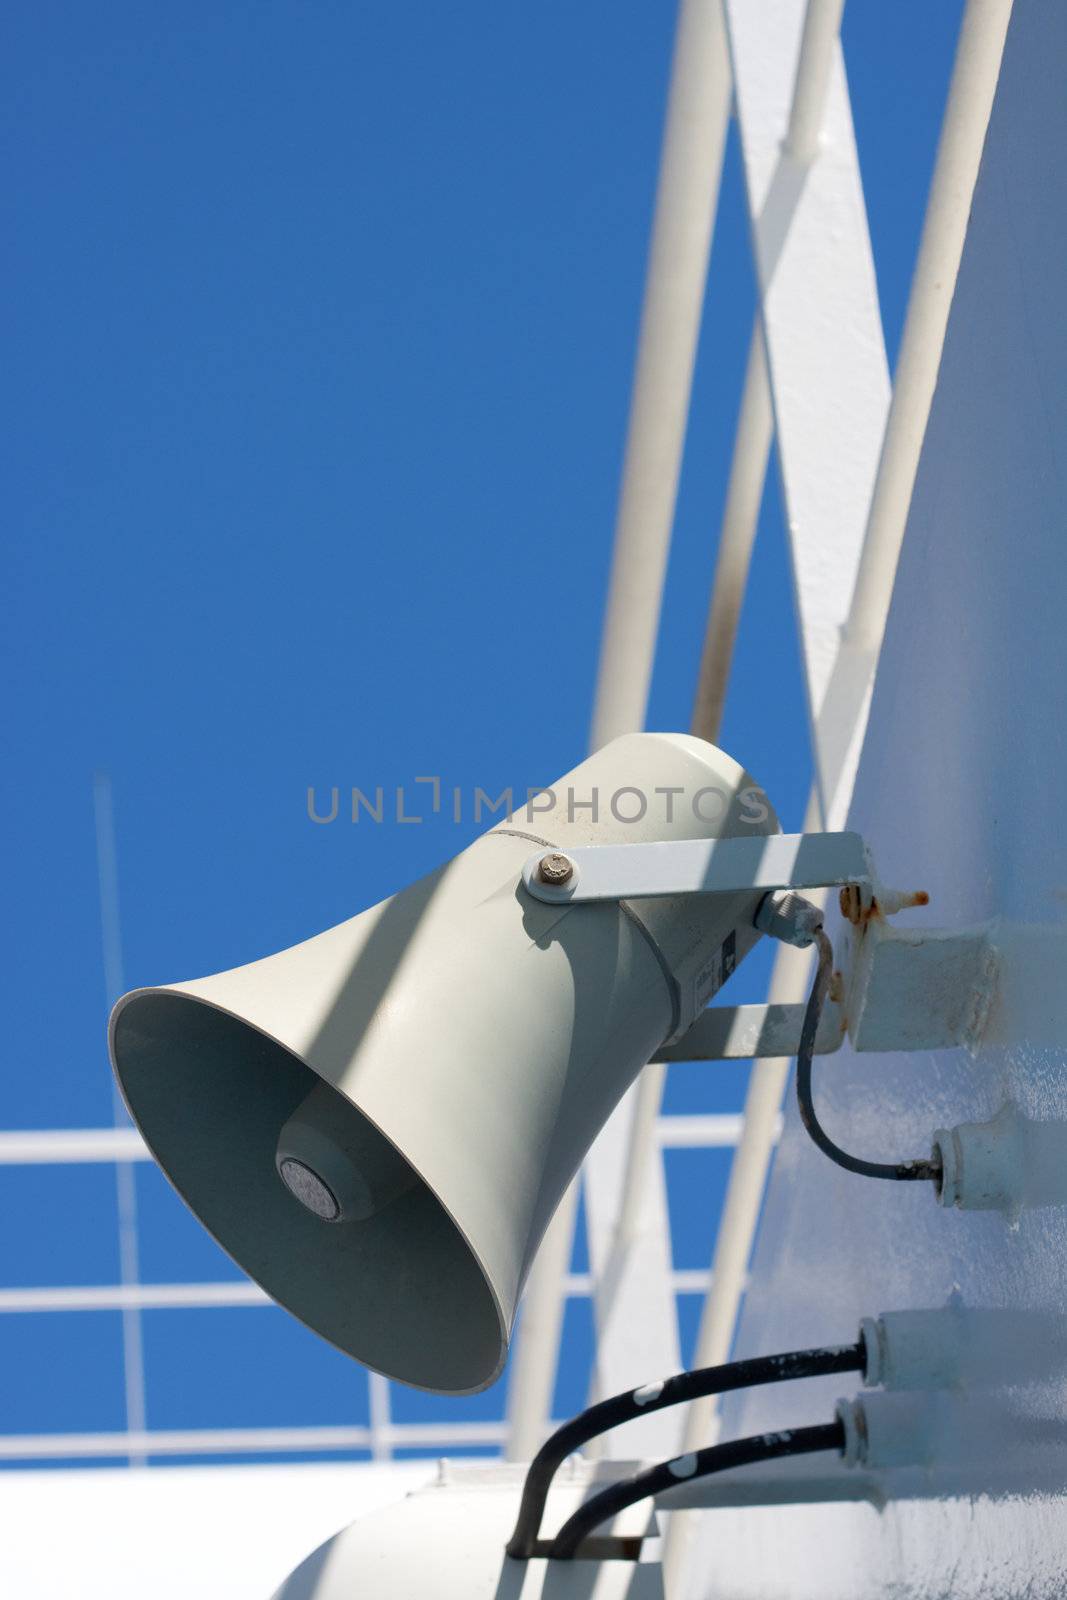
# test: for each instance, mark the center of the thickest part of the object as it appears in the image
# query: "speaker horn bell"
(378, 1123)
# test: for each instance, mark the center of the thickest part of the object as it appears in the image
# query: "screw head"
(555, 868)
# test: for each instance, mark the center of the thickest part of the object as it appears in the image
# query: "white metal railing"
(248, 1441)
(70, 1146)
(75, 1146)
(134, 1297)
(227, 1295)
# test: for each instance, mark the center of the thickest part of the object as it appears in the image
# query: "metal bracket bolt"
(555, 868)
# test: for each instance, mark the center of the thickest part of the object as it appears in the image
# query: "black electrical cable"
(683, 1469)
(673, 1391)
(902, 1170)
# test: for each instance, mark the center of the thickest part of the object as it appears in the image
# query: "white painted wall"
(962, 791)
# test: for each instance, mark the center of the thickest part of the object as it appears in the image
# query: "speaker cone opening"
(392, 1282)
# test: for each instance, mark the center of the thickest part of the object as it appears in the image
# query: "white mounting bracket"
(916, 989)
(898, 989)
(697, 866)
(742, 1033)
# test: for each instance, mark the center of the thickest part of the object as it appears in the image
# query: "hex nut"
(555, 868)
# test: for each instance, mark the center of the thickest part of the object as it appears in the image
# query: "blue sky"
(321, 332)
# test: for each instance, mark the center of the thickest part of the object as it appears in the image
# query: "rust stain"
(853, 909)
(860, 916)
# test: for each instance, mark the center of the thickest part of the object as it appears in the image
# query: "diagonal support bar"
(821, 322)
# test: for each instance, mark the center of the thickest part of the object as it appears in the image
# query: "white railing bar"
(694, 139)
(138, 1296)
(714, 1131)
(536, 1351)
(690, 1280)
(959, 154)
(246, 1441)
(744, 496)
(717, 1130)
(822, 24)
(63, 1146)
(229, 1296)
(380, 1416)
(647, 1095)
(60, 1146)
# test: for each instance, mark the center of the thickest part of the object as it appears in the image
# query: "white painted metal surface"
(821, 321)
(966, 117)
(448, 1540)
(974, 655)
(963, 131)
(917, 988)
